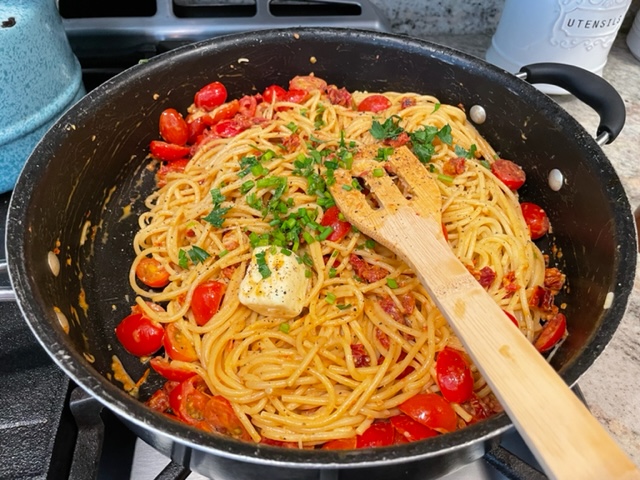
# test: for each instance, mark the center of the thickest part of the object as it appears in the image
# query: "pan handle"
(587, 87)
(6, 293)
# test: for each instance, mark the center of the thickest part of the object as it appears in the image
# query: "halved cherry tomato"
(331, 218)
(168, 151)
(509, 173)
(536, 219)
(225, 112)
(247, 106)
(228, 128)
(173, 128)
(374, 103)
(140, 335)
(151, 272)
(296, 96)
(177, 166)
(274, 93)
(159, 401)
(379, 434)
(308, 83)
(453, 376)
(431, 410)
(411, 430)
(188, 401)
(512, 318)
(196, 127)
(177, 345)
(211, 96)
(219, 414)
(170, 372)
(340, 444)
(551, 333)
(206, 300)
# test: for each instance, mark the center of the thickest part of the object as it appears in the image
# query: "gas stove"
(49, 427)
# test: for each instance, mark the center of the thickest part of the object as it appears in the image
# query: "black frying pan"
(91, 165)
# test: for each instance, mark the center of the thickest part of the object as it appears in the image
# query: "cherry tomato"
(206, 300)
(274, 93)
(173, 127)
(512, 318)
(308, 83)
(331, 218)
(224, 112)
(379, 434)
(409, 429)
(168, 151)
(211, 96)
(219, 414)
(228, 128)
(453, 376)
(196, 127)
(247, 106)
(177, 345)
(431, 410)
(509, 173)
(140, 335)
(177, 166)
(341, 444)
(188, 401)
(536, 219)
(374, 103)
(159, 401)
(551, 333)
(296, 96)
(151, 272)
(170, 372)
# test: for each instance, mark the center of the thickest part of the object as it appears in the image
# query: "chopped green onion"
(183, 260)
(391, 282)
(378, 172)
(286, 252)
(308, 237)
(348, 188)
(324, 233)
(330, 298)
(307, 273)
(332, 272)
(246, 186)
(445, 178)
(292, 126)
(343, 307)
(370, 243)
(284, 327)
(223, 253)
(263, 268)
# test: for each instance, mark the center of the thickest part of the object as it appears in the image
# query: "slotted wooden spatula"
(566, 439)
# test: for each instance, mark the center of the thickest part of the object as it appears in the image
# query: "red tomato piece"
(168, 151)
(431, 410)
(296, 96)
(509, 173)
(151, 272)
(159, 401)
(454, 376)
(274, 93)
(308, 83)
(536, 219)
(219, 414)
(331, 218)
(177, 345)
(206, 300)
(170, 372)
(512, 318)
(211, 96)
(379, 434)
(411, 430)
(173, 127)
(228, 128)
(551, 333)
(177, 166)
(188, 401)
(247, 106)
(225, 112)
(341, 444)
(196, 127)
(140, 335)
(374, 103)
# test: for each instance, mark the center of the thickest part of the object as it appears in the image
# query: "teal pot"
(40, 78)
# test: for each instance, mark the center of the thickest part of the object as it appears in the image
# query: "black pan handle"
(587, 87)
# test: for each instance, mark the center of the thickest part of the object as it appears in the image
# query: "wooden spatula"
(566, 439)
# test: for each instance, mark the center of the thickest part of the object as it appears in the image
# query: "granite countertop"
(612, 385)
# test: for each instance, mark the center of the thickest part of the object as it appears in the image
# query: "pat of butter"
(280, 294)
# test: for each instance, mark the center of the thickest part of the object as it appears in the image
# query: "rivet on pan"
(478, 114)
(556, 179)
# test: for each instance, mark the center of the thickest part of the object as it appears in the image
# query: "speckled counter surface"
(612, 385)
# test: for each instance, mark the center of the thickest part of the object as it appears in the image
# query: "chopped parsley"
(390, 129)
(195, 254)
(216, 216)
(462, 152)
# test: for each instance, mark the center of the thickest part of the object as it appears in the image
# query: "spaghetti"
(367, 339)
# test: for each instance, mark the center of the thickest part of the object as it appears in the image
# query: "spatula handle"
(565, 438)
